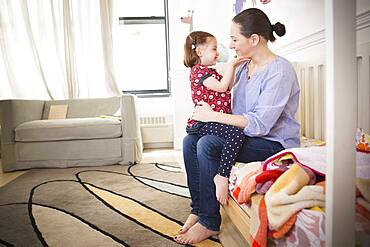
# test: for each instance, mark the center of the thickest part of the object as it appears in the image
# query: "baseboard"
(158, 145)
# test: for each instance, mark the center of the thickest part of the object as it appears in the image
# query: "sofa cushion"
(57, 152)
(68, 129)
(84, 108)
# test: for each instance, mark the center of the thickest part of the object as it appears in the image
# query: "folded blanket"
(265, 179)
(362, 207)
(262, 188)
(286, 227)
(246, 188)
(363, 186)
(289, 194)
(310, 157)
(259, 224)
(268, 175)
(308, 230)
(239, 171)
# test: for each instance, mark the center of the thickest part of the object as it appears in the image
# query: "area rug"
(137, 205)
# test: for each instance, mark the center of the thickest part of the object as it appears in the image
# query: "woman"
(265, 101)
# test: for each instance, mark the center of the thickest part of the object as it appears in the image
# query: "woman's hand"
(203, 112)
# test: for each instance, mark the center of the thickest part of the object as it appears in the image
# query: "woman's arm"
(227, 80)
(269, 106)
(203, 112)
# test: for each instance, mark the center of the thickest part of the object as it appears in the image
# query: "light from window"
(141, 57)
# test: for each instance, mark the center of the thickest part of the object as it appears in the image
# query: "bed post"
(341, 115)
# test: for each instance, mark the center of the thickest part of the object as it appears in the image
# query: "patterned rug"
(137, 205)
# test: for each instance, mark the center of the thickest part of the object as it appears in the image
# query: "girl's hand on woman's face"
(203, 112)
(238, 60)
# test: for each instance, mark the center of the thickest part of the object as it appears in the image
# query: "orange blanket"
(289, 194)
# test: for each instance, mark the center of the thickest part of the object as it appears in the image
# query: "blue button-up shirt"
(269, 100)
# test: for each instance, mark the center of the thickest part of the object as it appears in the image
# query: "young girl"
(210, 87)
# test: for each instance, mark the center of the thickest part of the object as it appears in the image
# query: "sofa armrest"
(131, 133)
(15, 112)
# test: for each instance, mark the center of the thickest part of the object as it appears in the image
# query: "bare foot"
(221, 188)
(196, 234)
(190, 221)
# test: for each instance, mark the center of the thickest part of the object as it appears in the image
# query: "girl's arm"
(203, 112)
(227, 80)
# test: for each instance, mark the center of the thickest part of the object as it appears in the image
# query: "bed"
(243, 215)
(245, 223)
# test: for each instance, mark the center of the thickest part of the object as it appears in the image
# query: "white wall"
(305, 25)
(211, 16)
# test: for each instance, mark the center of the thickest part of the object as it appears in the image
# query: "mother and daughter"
(259, 122)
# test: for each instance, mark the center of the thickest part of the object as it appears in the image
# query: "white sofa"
(89, 136)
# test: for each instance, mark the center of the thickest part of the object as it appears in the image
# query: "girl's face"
(208, 52)
(239, 42)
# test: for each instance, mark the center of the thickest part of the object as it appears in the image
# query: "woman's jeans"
(202, 159)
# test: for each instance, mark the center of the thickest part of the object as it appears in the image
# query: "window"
(141, 47)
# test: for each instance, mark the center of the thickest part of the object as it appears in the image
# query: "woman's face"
(239, 43)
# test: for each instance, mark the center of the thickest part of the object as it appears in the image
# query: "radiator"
(311, 112)
(312, 105)
(156, 131)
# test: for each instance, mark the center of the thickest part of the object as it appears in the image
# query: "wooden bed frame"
(235, 225)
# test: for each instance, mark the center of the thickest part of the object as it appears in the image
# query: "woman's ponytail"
(279, 29)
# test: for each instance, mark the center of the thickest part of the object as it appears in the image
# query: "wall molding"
(316, 38)
(363, 20)
(310, 40)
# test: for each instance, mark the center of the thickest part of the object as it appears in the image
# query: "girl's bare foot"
(196, 234)
(221, 188)
(190, 221)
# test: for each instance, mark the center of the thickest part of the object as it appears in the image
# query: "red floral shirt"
(220, 102)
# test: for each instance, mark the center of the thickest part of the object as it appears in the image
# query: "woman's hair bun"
(279, 29)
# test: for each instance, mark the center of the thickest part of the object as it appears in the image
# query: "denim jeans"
(202, 159)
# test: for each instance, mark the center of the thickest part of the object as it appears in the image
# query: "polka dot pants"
(234, 138)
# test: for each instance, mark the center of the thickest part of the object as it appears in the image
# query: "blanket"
(308, 230)
(362, 155)
(289, 194)
(259, 223)
(313, 158)
(363, 185)
(240, 176)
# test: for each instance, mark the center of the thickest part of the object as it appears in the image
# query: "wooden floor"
(227, 236)
(9, 176)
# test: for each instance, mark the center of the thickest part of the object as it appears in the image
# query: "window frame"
(147, 20)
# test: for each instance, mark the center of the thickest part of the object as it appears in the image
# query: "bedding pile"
(363, 187)
(285, 197)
